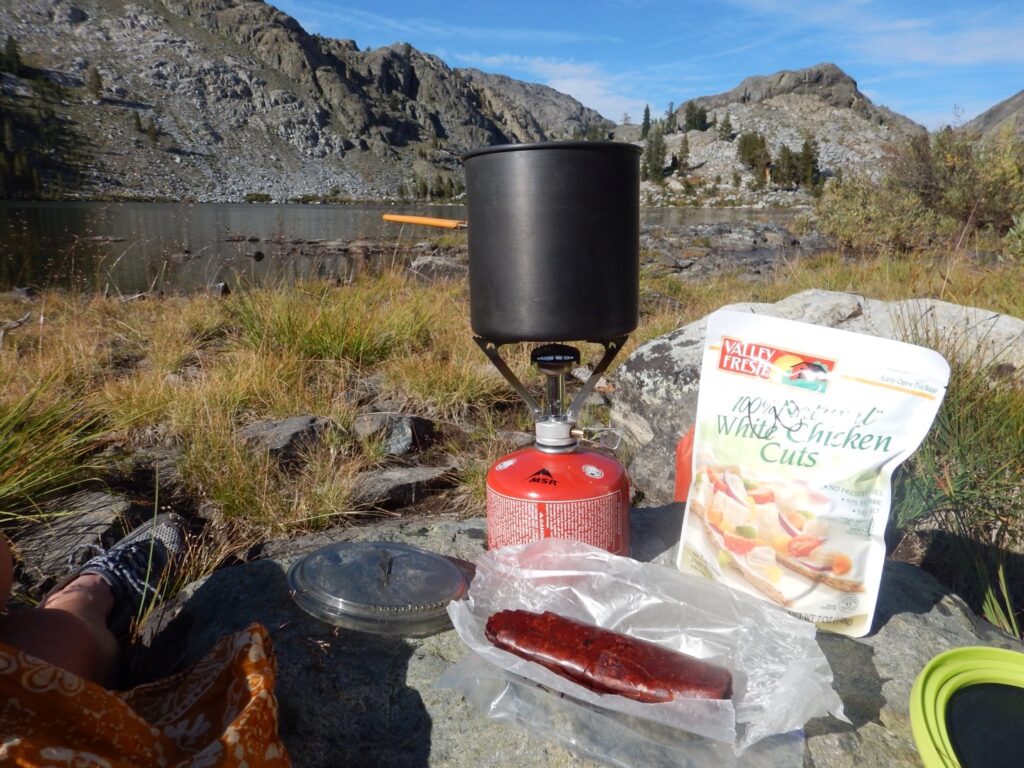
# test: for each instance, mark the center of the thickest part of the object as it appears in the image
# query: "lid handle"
(386, 564)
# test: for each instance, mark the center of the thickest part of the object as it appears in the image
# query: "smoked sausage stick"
(606, 661)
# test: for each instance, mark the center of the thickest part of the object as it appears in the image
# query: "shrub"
(876, 217)
(1014, 240)
(976, 182)
(752, 151)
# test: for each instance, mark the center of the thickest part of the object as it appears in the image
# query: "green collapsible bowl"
(969, 702)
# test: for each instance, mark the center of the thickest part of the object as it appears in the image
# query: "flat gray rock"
(432, 268)
(397, 433)
(50, 549)
(399, 486)
(284, 439)
(348, 698)
(654, 400)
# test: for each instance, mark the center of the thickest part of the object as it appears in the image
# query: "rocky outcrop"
(350, 698)
(825, 82)
(1006, 115)
(531, 112)
(654, 400)
(820, 103)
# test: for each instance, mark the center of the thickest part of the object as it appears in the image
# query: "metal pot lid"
(382, 587)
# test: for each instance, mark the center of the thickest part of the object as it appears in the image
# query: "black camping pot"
(554, 240)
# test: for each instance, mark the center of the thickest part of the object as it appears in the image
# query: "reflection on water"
(129, 248)
(680, 217)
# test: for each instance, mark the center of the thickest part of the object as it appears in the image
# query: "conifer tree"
(695, 118)
(670, 118)
(94, 82)
(12, 57)
(752, 151)
(645, 126)
(702, 119)
(785, 171)
(725, 128)
(807, 172)
(689, 116)
(654, 155)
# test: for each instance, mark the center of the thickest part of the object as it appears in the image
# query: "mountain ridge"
(826, 80)
(240, 100)
(1007, 114)
(245, 101)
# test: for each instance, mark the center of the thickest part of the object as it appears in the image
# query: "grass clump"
(366, 324)
(963, 489)
(47, 446)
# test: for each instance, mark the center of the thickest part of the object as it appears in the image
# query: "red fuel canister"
(581, 495)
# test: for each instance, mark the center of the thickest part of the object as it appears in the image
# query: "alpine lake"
(129, 248)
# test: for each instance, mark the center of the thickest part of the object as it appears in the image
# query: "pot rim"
(614, 146)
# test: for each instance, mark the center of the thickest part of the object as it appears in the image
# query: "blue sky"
(935, 61)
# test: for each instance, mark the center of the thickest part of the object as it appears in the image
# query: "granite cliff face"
(244, 100)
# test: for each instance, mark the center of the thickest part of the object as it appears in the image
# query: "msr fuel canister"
(556, 488)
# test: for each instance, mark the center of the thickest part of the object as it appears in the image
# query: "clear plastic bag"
(781, 679)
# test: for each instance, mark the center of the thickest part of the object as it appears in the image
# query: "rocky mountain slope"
(219, 99)
(1008, 113)
(243, 100)
(821, 103)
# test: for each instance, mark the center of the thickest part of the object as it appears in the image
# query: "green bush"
(877, 217)
(942, 187)
(1014, 240)
(257, 197)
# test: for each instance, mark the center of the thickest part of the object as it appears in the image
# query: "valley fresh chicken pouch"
(799, 429)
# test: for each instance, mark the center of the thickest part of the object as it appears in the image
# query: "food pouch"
(799, 429)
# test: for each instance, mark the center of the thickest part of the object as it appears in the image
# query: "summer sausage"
(606, 661)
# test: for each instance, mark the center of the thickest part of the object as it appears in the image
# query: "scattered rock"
(364, 390)
(433, 268)
(285, 439)
(398, 434)
(399, 486)
(20, 294)
(52, 548)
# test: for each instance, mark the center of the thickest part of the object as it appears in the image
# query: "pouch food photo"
(799, 429)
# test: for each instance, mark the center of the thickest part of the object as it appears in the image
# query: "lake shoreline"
(133, 248)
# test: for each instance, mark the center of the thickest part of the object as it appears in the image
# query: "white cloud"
(585, 82)
(882, 34)
(414, 28)
(967, 47)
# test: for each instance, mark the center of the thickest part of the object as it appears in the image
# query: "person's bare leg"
(69, 630)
